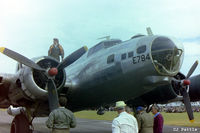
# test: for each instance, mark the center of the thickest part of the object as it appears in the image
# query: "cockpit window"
(111, 43)
(102, 45)
(141, 49)
(96, 48)
(166, 56)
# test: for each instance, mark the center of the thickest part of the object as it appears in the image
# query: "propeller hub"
(186, 82)
(53, 71)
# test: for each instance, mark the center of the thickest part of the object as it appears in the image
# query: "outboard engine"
(33, 82)
(194, 91)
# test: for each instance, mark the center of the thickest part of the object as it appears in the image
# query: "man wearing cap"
(61, 119)
(158, 120)
(145, 121)
(56, 50)
(124, 123)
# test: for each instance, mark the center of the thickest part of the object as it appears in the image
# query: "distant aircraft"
(141, 71)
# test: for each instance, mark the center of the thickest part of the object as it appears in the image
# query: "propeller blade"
(192, 69)
(20, 58)
(52, 95)
(72, 58)
(188, 106)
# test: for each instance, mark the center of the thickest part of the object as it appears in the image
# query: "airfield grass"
(175, 119)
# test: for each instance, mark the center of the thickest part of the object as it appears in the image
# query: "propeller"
(52, 94)
(186, 99)
(20, 58)
(50, 73)
(72, 58)
(188, 107)
(194, 66)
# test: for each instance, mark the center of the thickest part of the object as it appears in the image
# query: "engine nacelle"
(195, 88)
(33, 82)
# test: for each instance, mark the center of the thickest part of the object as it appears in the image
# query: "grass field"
(180, 119)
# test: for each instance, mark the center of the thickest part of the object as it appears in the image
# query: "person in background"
(145, 121)
(124, 123)
(56, 50)
(61, 119)
(158, 120)
(128, 109)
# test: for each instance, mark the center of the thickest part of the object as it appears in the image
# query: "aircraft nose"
(167, 56)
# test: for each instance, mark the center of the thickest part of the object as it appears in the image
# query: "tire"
(20, 124)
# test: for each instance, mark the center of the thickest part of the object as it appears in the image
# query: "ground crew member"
(145, 121)
(56, 50)
(124, 123)
(158, 120)
(61, 120)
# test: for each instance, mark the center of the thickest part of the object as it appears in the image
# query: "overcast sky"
(28, 26)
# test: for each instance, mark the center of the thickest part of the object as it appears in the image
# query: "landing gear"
(101, 111)
(20, 124)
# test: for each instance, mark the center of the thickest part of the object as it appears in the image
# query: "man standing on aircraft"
(158, 120)
(56, 50)
(145, 121)
(124, 123)
(61, 120)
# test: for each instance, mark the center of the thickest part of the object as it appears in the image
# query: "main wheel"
(20, 124)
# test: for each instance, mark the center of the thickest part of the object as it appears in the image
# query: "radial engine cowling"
(34, 81)
(195, 88)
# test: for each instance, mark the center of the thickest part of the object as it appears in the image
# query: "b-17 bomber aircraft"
(144, 70)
